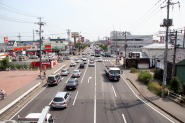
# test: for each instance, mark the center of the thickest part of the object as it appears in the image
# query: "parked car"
(53, 79)
(76, 73)
(73, 64)
(91, 63)
(72, 84)
(64, 72)
(82, 65)
(61, 100)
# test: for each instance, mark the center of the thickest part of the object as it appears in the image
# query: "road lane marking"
(89, 79)
(59, 69)
(62, 78)
(95, 96)
(124, 119)
(114, 91)
(32, 99)
(84, 74)
(75, 98)
(146, 102)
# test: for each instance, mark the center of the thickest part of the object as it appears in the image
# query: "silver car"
(61, 100)
(64, 72)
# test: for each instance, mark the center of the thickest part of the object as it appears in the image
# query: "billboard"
(6, 39)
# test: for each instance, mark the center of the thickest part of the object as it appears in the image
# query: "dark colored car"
(82, 65)
(53, 79)
(72, 84)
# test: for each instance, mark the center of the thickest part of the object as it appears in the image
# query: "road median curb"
(154, 103)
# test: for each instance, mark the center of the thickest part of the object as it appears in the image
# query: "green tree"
(176, 85)
(4, 63)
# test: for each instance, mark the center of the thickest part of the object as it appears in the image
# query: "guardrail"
(176, 97)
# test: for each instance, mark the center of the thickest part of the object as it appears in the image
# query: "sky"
(91, 18)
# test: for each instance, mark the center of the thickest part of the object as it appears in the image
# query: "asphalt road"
(97, 100)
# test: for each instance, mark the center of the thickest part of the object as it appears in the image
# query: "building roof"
(180, 55)
(157, 46)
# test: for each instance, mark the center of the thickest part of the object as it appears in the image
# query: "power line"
(14, 10)
(5, 18)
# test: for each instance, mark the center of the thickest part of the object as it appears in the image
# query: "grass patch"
(144, 77)
(155, 88)
(133, 70)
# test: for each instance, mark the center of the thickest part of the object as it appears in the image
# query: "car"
(77, 60)
(82, 65)
(76, 73)
(99, 59)
(84, 59)
(66, 58)
(64, 72)
(91, 63)
(34, 57)
(73, 64)
(72, 84)
(61, 100)
(53, 79)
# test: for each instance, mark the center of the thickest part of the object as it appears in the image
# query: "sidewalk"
(170, 107)
(24, 88)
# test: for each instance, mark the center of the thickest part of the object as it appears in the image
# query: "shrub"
(4, 63)
(176, 85)
(133, 70)
(158, 74)
(155, 88)
(144, 77)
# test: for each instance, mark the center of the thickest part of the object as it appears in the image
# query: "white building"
(134, 42)
(155, 51)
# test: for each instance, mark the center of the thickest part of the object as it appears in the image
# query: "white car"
(76, 73)
(61, 100)
(99, 59)
(91, 63)
(64, 72)
(73, 64)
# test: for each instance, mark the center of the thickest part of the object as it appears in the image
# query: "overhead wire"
(14, 10)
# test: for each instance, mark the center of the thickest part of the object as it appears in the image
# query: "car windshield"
(51, 78)
(64, 70)
(71, 81)
(115, 71)
(76, 71)
(57, 99)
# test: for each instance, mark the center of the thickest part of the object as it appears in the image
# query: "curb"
(154, 103)
(18, 99)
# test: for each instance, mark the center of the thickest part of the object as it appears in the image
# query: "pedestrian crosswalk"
(108, 60)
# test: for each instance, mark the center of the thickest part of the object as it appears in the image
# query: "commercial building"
(132, 42)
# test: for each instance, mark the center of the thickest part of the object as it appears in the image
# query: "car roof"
(114, 68)
(60, 94)
(52, 75)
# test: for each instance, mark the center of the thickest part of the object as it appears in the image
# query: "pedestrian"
(2, 94)
(44, 74)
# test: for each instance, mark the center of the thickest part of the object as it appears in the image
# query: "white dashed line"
(114, 91)
(75, 98)
(124, 119)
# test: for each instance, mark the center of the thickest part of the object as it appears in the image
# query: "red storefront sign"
(6, 39)
(47, 48)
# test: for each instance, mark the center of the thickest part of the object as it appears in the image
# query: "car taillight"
(64, 103)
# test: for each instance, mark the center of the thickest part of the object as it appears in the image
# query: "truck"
(112, 73)
(43, 117)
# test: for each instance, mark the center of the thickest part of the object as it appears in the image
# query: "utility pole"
(167, 23)
(184, 39)
(174, 55)
(33, 35)
(125, 34)
(40, 23)
(19, 36)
